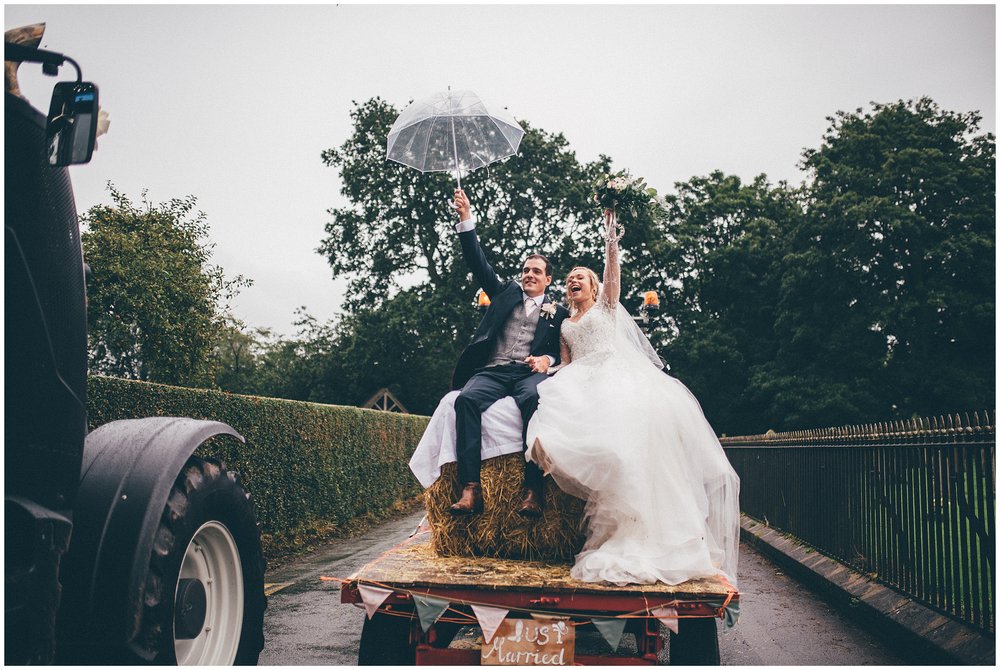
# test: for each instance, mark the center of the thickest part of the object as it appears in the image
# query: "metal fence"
(909, 503)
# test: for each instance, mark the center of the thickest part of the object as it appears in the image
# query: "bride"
(613, 429)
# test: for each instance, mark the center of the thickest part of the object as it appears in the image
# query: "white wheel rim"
(213, 559)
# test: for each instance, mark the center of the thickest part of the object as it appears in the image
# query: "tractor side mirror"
(72, 124)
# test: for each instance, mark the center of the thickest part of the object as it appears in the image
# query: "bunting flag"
(730, 611)
(372, 597)
(611, 630)
(667, 616)
(732, 614)
(490, 619)
(429, 609)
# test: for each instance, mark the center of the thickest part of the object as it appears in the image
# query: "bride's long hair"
(594, 283)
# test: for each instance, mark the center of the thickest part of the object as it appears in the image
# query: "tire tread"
(154, 640)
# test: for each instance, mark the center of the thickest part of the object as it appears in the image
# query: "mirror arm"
(50, 60)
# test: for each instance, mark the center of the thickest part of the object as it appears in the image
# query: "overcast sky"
(233, 104)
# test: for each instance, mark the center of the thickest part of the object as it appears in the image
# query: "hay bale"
(499, 531)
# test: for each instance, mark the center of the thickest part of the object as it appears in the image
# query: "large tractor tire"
(204, 593)
(205, 600)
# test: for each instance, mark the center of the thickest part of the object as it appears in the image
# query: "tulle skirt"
(662, 498)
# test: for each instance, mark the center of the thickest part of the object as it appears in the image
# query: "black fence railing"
(909, 503)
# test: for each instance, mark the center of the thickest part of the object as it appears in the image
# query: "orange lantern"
(650, 300)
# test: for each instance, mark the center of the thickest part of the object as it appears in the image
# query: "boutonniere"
(548, 310)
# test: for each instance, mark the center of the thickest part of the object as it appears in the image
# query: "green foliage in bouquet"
(625, 194)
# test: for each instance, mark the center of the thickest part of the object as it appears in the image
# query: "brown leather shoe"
(531, 506)
(471, 501)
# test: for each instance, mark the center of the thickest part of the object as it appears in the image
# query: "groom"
(513, 348)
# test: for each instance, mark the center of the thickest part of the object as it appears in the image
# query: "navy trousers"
(483, 389)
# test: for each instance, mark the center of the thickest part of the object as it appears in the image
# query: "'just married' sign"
(531, 642)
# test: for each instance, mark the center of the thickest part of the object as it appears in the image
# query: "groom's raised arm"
(481, 269)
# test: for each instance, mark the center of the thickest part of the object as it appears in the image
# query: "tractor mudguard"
(128, 470)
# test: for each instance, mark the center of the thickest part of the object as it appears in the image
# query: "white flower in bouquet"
(624, 193)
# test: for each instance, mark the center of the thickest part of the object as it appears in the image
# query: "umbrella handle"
(454, 146)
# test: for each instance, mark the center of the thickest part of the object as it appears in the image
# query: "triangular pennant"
(611, 630)
(732, 614)
(372, 597)
(490, 619)
(429, 610)
(667, 616)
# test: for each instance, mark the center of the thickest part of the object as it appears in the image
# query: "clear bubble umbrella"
(453, 131)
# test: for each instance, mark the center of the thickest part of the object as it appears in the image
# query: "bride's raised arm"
(612, 270)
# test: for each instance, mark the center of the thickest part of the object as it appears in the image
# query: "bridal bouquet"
(622, 193)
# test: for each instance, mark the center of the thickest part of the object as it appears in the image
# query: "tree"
(867, 293)
(156, 304)
(279, 367)
(400, 225)
(719, 251)
(408, 346)
(239, 351)
(902, 204)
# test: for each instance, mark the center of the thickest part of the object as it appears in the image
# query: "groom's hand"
(538, 363)
(462, 205)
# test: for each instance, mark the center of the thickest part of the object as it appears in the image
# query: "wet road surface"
(781, 622)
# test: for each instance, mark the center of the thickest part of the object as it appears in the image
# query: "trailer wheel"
(204, 596)
(695, 643)
(385, 640)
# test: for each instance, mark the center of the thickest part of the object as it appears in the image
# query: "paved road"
(781, 623)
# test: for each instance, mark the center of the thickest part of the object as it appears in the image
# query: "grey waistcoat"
(513, 344)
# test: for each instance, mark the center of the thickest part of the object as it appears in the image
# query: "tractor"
(121, 546)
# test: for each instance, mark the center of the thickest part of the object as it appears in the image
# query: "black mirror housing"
(71, 130)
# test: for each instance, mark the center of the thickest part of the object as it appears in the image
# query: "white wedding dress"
(662, 500)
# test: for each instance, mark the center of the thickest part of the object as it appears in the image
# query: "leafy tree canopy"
(156, 303)
(399, 224)
(902, 210)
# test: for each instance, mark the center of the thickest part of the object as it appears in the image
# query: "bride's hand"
(538, 363)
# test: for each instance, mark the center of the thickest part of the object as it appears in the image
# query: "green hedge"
(310, 468)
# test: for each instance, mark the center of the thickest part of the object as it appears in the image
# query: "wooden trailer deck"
(413, 566)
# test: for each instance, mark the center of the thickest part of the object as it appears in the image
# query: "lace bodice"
(591, 339)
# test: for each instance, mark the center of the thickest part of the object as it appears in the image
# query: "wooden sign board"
(531, 642)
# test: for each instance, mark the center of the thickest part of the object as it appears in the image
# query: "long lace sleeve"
(564, 355)
(612, 270)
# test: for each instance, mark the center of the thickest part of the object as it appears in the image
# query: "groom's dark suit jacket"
(504, 297)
